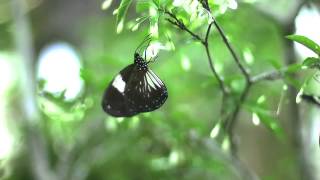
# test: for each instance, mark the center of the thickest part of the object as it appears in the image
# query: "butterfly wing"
(145, 91)
(114, 99)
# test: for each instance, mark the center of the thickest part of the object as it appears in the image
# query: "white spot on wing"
(154, 81)
(119, 84)
(155, 77)
(150, 82)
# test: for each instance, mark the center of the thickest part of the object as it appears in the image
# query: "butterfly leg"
(152, 59)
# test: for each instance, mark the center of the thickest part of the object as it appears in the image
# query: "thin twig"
(205, 4)
(182, 26)
(205, 43)
(232, 51)
(230, 124)
(269, 75)
(220, 81)
(208, 32)
(229, 120)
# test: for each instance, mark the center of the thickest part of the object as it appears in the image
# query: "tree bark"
(31, 116)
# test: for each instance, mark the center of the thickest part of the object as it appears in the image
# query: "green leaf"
(121, 13)
(306, 42)
(142, 6)
(312, 63)
(154, 17)
(266, 117)
(271, 123)
(292, 68)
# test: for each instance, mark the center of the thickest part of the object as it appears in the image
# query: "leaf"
(154, 17)
(142, 6)
(106, 4)
(121, 13)
(292, 68)
(306, 42)
(162, 3)
(312, 63)
(135, 25)
(271, 123)
(266, 117)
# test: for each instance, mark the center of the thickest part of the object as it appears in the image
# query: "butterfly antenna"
(144, 47)
(148, 37)
(145, 50)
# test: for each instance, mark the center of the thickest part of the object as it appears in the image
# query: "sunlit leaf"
(215, 131)
(261, 99)
(106, 4)
(185, 63)
(225, 144)
(300, 93)
(154, 17)
(232, 4)
(271, 123)
(120, 26)
(312, 63)
(266, 117)
(121, 13)
(293, 68)
(255, 119)
(142, 6)
(306, 42)
(135, 27)
(248, 56)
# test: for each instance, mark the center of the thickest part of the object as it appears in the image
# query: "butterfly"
(135, 89)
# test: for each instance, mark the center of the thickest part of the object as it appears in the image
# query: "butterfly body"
(135, 89)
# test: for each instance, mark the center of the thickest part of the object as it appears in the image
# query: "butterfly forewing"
(114, 100)
(134, 90)
(145, 91)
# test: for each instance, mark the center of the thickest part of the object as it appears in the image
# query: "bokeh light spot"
(59, 66)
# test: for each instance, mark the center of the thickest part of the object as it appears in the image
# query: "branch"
(220, 81)
(232, 51)
(229, 123)
(205, 5)
(182, 26)
(269, 75)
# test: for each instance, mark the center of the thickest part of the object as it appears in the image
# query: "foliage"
(173, 142)
(306, 42)
(192, 16)
(307, 90)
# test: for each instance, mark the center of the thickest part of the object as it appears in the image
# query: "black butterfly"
(135, 89)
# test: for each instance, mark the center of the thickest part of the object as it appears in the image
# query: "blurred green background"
(57, 58)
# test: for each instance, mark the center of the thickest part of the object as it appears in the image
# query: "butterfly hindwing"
(135, 89)
(145, 91)
(114, 99)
